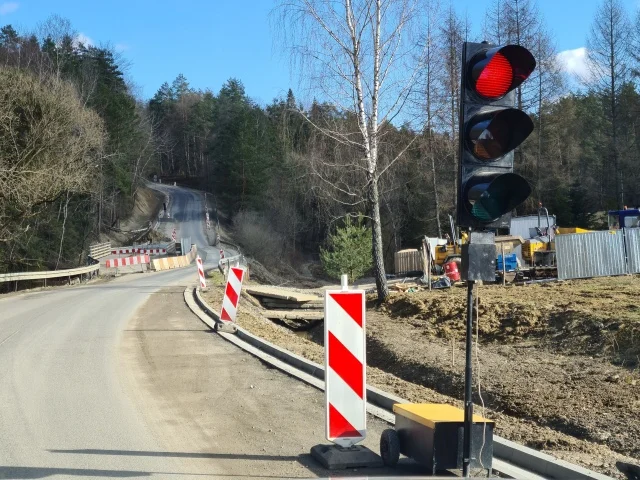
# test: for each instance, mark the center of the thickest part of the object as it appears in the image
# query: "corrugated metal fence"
(597, 254)
(632, 239)
(521, 226)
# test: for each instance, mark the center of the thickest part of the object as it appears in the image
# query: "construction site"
(556, 363)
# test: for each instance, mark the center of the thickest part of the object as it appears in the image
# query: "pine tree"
(349, 251)
(180, 86)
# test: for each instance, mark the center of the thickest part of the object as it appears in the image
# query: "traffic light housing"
(490, 130)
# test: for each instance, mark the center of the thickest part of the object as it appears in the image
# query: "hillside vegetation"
(74, 146)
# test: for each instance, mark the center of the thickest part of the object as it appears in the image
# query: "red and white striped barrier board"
(232, 294)
(203, 284)
(345, 367)
(151, 251)
(173, 235)
(124, 262)
(119, 251)
(221, 254)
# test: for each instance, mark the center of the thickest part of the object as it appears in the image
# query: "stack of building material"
(297, 310)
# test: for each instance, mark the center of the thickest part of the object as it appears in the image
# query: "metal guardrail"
(229, 260)
(71, 272)
(99, 250)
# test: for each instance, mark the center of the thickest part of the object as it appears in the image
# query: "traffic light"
(490, 129)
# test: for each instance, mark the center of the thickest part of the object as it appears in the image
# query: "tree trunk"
(64, 224)
(435, 191)
(539, 159)
(376, 233)
(614, 120)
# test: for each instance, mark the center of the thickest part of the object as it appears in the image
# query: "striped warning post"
(173, 235)
(124, 262)
(345, 367)
(232, 294)
(203, 284)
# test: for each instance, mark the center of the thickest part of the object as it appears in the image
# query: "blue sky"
(210, 41)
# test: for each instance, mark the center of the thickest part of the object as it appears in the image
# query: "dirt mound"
(146, 207)
(595, 317)
(147, 204)
(581, 409)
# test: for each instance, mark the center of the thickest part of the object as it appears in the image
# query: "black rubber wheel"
(390, 447)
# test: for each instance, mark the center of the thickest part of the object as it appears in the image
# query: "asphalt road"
(59, 385)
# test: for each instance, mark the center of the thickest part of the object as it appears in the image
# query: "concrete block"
(333, 457)
(226, 327)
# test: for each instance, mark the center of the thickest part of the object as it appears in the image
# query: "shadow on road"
(204, 329)
(144, 453)
(44, 472)
(406, 467)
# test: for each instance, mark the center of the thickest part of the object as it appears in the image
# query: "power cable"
(477, 352)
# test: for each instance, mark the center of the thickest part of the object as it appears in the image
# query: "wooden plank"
(100, 250)
(261, 291)
(403, 287)
(293, 315)
(285, 304)
(251, 299)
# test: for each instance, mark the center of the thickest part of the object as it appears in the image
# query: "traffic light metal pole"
(468, 384)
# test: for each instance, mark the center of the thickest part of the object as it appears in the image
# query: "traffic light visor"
(490, 195)
(493, 134)
(495, 72)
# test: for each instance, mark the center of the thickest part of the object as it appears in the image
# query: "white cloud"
(8, 7)
(81, 38)
(121, 47)
(574, 62)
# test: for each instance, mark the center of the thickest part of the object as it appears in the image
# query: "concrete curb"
(380, 403)
(288, 362)
(208, 317)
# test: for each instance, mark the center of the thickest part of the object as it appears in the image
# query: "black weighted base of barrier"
(333, 457)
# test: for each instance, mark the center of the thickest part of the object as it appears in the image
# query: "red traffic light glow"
(496, 78)
(497, 71)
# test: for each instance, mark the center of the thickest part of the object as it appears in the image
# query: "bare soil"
(557, 363)
(147, 204)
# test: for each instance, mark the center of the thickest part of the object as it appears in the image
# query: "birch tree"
(359, 55)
